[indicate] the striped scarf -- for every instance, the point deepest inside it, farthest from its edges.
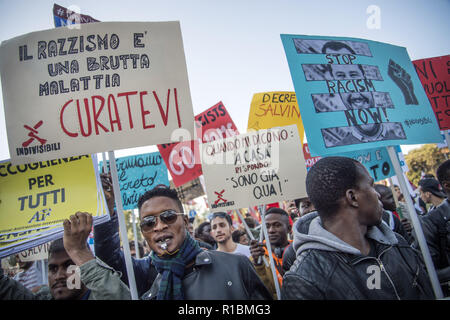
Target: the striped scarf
(172, 269)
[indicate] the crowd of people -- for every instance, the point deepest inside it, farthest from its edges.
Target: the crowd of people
(349, 239)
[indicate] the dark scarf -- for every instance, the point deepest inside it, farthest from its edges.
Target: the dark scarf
(172, 269)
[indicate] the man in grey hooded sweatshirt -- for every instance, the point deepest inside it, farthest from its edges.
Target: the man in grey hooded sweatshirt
(343, 250)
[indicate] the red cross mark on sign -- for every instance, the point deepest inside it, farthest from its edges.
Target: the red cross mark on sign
(32, 134)
(219, 196)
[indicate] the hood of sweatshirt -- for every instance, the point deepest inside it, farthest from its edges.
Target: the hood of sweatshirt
(310, 234)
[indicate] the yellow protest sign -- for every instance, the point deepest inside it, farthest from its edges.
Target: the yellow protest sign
(45, 193)
(275, 109)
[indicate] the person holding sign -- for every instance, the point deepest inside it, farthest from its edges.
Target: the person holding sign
(343, 250)
(107, 246)
(186, 272)
(95, 281)
(278, 228)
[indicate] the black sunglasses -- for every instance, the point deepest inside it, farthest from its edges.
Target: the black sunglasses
(149, 222)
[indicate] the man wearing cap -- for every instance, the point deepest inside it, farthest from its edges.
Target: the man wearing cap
(430, 192)
(436, 229)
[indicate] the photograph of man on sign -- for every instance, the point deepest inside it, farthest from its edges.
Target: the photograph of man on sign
(342, 136)
(318, 46)
(358, 100)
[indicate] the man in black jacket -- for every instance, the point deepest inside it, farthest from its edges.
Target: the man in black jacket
(343, 250)
(107, 246)
(185, 271)
(436, 229)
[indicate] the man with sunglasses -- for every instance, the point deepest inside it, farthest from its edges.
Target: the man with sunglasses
(185, 271)
(107, 245)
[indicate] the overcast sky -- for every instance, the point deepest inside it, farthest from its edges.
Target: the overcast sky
(233, 48)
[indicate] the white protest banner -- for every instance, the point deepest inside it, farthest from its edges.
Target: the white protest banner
(99, 87)
(37, 253)
(255, 168)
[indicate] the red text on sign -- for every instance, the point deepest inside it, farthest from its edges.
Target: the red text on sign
(116, 109)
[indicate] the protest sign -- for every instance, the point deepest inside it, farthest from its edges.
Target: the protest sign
(36, 198)
(357, 94)
(36, 253)
(443, 143)
(102, 86)
(68, 16)
(138, 174)
(376, 161)
(13, 247)
(188, 191)
(215, 123)
(183, 159)
(401, 159)
(45, 193)
(434, 73)
(255, 168)
(309, 160)
(274, 109)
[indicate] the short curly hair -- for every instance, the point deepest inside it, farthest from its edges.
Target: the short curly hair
(56, 246)
(160, 191)
(327, 182)
(443, 172)
(198, 232)
(236, 235)
(335, 46)
(284, 215)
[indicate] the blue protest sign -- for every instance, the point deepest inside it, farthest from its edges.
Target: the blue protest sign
(138, 174)
(376, 161)
(443, 143)
(401, 159)
(357, 94)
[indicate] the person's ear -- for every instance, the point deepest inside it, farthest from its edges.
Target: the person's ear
(352, 198)
(446, 185)
(186, 221)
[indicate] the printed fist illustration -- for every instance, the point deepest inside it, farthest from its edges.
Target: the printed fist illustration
(403, 80)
